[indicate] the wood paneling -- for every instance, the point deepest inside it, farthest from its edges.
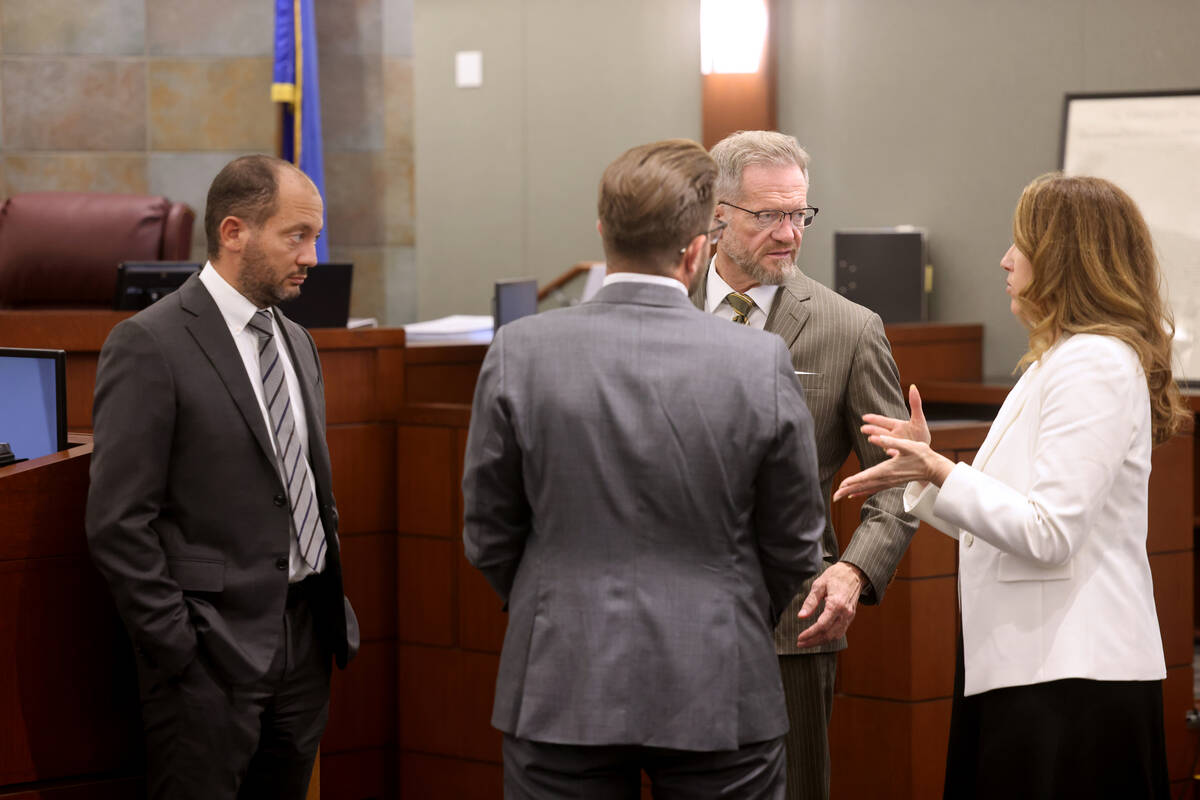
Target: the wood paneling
(481, 619)
(114, 789)
(42, 503)
(1181, 743)
(68, 692)
(891, 750)
(1173, 599)
(362, 707)
(429, 699)
(936, 352)
(369, 575)
(427, 609)
(359, 775)
(912, 632)
(363, 457)
(428, 492)
(442, 373)
(1171, 506)
(430, 776)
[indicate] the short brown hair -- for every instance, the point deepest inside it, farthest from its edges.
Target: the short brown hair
(739, 150)
(1095, 271)
(247, 188)
(654, 199)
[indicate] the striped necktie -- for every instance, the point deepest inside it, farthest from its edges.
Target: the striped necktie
(306, 516)
(741, 305)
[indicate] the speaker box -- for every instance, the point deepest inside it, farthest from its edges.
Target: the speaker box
(883, 269)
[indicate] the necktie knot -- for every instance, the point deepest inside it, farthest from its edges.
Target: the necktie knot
(741, 305)
(260, 323)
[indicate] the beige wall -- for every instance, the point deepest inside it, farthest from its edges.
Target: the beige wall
(934, 112)
(507, 173)
(937, 112)
(154, 96)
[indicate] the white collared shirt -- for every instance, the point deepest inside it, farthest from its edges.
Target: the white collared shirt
(716, 290)
(642, 277)
(238, 311)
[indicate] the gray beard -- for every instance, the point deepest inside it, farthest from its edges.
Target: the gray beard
(760, 274)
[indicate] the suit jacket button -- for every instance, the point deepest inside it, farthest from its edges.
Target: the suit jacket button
(280, 500)
(281, 563)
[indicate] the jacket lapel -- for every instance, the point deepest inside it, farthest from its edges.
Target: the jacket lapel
(1009, 413)
(208, 328)
(791, 309)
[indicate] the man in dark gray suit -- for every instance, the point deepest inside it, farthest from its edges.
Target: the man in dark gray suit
(845, 363)
(641, 490)
(210, 512)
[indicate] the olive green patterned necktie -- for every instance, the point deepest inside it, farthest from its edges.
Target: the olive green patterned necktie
(741, 305)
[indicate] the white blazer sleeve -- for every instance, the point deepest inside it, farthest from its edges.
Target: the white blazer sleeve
(1089, 404)
(919, 500)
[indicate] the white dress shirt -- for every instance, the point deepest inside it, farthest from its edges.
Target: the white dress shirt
(642, 277)
(238, 311)
(716, 290)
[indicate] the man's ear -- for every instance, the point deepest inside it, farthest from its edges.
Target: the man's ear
(695, 258)
(599, 227)
(234, 233)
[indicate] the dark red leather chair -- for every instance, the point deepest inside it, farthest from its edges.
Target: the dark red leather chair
(61, 249)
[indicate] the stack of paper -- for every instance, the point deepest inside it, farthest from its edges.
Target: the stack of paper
(453, 328)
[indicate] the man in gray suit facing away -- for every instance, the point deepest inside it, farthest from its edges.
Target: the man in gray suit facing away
(845, 363)
(210, 511)
(641, 490)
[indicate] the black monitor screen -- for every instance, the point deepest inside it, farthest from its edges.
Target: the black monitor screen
(33, 403)
(141, 283)
(324, 300)
(514, 299)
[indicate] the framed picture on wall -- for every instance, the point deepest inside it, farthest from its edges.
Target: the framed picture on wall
(1148, 143)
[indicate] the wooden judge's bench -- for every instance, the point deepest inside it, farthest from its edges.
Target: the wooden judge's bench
(410, 717)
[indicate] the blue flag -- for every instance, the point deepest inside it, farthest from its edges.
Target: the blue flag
(296, 85)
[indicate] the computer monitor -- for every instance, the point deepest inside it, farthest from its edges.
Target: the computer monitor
(33, 402)
(141, 283)
(324, 300)
(514, 299)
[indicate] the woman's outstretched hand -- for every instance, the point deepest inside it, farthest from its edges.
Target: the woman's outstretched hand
(914, 428)
(907, 442)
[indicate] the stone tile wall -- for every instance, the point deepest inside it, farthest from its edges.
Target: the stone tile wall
(154, 96)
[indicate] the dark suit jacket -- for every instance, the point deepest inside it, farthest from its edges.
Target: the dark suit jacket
(851, 372)
(187, 518)
(640, 487)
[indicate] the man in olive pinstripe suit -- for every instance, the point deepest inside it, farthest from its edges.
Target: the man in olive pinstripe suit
(845, 363)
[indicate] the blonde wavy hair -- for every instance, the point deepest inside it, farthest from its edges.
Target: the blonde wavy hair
(1095, 271)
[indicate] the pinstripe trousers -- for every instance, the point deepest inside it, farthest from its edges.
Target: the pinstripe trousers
(808, 689)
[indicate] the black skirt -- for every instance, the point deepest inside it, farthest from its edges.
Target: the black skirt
(1057, 740)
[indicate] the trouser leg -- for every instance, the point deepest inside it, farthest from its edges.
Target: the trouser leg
(294, 716)
(808, 689)
(200, 733)
(544, 771)
(752, 772)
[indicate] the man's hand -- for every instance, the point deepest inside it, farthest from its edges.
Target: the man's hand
(839, 588)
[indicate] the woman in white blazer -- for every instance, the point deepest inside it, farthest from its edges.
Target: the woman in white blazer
(1059, 684)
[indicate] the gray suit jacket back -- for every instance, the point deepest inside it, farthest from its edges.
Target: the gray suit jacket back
(641, 489)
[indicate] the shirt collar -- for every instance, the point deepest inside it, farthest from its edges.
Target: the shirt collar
(716, 290)
(233, 305)
(641, 277)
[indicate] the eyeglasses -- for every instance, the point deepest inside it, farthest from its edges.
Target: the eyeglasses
(800, 218)
(713, 234)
